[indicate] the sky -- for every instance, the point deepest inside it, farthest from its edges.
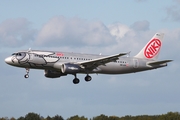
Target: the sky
(106, 27)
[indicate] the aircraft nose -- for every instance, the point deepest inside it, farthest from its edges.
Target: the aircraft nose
(8, 60)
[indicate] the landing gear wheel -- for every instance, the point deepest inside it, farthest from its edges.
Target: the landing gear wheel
(76, 81)
(26, 75)
(88, 78)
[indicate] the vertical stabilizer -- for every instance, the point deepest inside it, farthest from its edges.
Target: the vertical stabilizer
(152, 48)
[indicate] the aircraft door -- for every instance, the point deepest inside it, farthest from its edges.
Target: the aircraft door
(31, 56)
(136, 63)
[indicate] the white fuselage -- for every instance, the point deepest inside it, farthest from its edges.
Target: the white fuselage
(51, 60)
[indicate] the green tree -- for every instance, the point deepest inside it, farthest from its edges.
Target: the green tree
(76, 117)
(114, 118)
(32, 116)
(172, 116)
(12, 118)
(2, 118)
(21, 118)
(49, 118)
(57, 117)
(101, 117)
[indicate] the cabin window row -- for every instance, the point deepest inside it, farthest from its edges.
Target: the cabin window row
(121, 61)
(41, 56)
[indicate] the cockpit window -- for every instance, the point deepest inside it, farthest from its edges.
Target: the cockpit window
(18, 54)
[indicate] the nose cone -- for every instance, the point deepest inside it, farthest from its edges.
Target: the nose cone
(8, 60)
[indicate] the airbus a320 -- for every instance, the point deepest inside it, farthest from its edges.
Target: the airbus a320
(57, 64)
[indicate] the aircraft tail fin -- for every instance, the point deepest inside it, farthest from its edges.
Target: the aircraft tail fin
(152, 48)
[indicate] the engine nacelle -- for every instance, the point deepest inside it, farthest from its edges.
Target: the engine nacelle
(53, 74)
(69, 68)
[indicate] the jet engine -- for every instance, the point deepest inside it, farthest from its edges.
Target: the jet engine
(69, 68)
(53, 74)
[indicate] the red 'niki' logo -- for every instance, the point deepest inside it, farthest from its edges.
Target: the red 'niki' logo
(59, 54)
(152, 48)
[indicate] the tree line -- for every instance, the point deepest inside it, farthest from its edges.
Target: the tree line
(35, 116)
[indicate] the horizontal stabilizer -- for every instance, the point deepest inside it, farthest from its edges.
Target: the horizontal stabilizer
(154, 63)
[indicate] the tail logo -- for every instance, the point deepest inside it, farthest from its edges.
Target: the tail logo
(153, 48)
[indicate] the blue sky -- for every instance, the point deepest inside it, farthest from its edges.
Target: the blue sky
(106, 27)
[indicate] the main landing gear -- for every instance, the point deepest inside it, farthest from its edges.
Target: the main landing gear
(76, 80)
(27, 73)
(88, 78)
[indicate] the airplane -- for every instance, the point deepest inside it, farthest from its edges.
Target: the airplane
(57, 64)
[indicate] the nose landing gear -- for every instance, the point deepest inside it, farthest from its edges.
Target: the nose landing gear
(27, 73)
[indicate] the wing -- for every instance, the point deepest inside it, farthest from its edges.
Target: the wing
(100, 61)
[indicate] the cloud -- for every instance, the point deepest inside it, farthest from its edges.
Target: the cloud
(16, 32)
(141, 25)
(171, 44)
(177, 1)
(130, 38)
(79, 35)
(118, 30)
(75, 34)
(173, 12)
(60, 31)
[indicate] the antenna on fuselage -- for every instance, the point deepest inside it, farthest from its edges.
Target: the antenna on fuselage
(29, 50)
